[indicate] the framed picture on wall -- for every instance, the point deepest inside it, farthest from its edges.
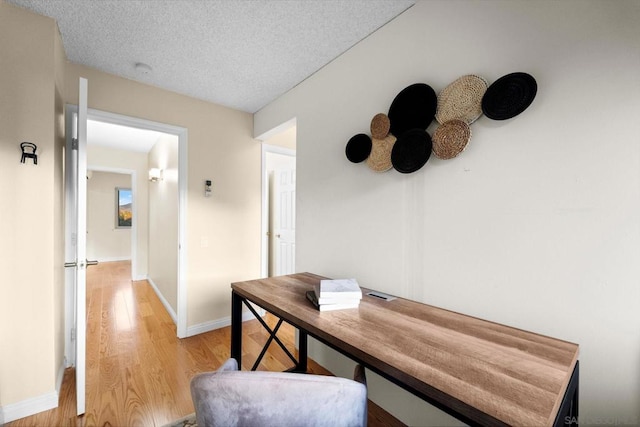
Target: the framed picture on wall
(124, 213)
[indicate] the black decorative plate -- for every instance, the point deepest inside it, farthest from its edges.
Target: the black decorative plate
(509, 96)
(358, 148)
(413, 108)
(411, 151)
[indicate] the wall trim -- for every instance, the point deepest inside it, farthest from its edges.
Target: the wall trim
(166, 304)
(60, 377)
(211, 325)
(25, 408)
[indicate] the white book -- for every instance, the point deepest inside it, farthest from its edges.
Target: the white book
(344, 304)
(332, 300)
(340, 306)
(338, 289)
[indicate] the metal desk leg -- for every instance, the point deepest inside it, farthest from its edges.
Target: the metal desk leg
(302, 351)
(236, 328)
(568, 414)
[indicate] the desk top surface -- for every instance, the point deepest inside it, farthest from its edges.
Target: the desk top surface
(481, 369)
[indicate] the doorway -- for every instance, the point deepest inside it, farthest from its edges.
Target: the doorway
(278, 200)
(178, 177)
(109, 195)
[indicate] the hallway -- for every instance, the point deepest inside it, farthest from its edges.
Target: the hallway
(138, 371)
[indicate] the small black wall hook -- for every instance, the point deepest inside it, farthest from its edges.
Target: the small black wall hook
(29, 151)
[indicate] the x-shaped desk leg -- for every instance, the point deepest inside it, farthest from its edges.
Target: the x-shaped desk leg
(236, 337)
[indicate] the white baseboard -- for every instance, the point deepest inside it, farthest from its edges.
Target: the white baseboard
(166, 304)
(140, 277)
(25, 408)
(60, 376)
(217, 324)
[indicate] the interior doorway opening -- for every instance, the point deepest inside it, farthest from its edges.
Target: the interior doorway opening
(111, 236)
(176, 175)
(279, 200)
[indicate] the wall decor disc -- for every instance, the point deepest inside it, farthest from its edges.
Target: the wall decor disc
(380, 158)
(461, 100)
(411, 151)
(380, 126)
(358, 148)
(413, 108)
(509, 96)
(450, 139)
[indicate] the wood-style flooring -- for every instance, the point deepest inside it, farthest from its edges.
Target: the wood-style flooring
(138, 371)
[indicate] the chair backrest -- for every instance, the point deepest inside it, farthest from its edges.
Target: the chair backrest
(28, 152)
(28, 146)
(229, 397)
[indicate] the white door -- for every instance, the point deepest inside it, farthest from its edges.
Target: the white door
(284, 211)
(76, 235)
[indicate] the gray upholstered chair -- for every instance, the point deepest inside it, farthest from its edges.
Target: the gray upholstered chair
(228, 397)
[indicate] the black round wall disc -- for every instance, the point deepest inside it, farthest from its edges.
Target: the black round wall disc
(413, 108)
(411, 151)
(509, 96)
(358, 148)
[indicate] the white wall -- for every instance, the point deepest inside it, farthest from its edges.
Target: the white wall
(163, 220)
(103, 158)
(536, 225)
(105, 242)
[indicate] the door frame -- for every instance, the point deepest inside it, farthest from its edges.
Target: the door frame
(182, 134)
(267, 148)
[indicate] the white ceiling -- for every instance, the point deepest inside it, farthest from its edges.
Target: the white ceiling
(241, 54)
(121, 137)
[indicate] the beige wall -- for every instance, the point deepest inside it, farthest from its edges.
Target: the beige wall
(536, 224)
(163, 220)
(30, 218)
(223, 231)
(104, 158)
(285, 139)
(105, 242)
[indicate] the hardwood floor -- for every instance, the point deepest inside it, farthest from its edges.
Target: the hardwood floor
(138, 371)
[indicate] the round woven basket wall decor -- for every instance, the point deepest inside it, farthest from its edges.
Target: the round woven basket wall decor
(461, 100)
(509, 96)
(411, 151)
(413, 108)
(380, 126)
(450, 139)
(380, 158)
(358, 148)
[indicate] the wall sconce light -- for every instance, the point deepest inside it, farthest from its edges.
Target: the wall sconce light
(155, 174)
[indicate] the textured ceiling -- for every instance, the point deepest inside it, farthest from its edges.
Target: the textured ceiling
(241, 54)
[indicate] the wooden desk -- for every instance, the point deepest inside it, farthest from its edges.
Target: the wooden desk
(481, 372)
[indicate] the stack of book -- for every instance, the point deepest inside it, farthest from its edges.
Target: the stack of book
(336, 294)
